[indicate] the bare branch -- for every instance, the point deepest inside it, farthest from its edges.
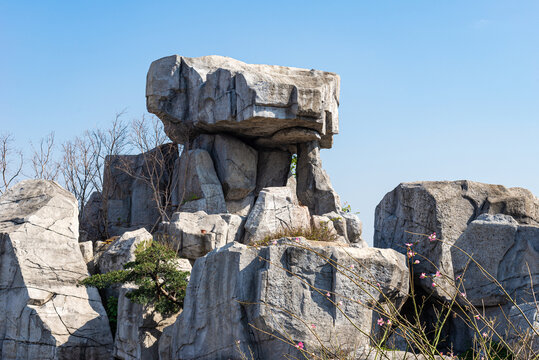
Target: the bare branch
(43, 163)
(11, 162)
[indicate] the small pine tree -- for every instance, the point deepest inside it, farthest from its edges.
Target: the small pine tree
(155, 273)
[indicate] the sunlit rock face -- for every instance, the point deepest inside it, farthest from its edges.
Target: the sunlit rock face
(44, 314)
(273, 104)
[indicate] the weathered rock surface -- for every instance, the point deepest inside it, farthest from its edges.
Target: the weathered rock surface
(446, 208)
(139, 329)
(219, 94)
(45, 315)
(521, 318)
(87, 251)
(276, 209)
(314, 188)
(236, 285)
(235, 163)
(196, 234)
(506, 251)
(129, 199)
(92, 222)
(122, 250)
(273, 168)
(197, 188)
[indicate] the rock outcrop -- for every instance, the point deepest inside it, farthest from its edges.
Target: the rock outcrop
(243, 297)
(45, 315)
(122, 250)
(219, 94)
(129, 199)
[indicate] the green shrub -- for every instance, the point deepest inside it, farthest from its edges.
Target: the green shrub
(154, 271)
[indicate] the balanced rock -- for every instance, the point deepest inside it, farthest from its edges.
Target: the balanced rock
(219, 94)
(45, 315)
(243, 297)
(193, 235)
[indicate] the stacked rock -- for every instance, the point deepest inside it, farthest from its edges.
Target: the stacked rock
(240, 125)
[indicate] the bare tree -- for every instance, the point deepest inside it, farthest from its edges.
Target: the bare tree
(43, 163)
(148, 138)
(79, 168)
(11, 162)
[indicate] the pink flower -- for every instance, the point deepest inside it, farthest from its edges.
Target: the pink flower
(274, 242)
(409, 244)
(389, 323)
(437, 274)
(485, 334)
(300, 345)
(297, 240)
(352, 266)
(432, 237)
(313, 326)
(328, 294)
(416, 262)
(463, 294)
(378, 284)
(458, 277)
(410, 254)
(340, 303)
(477, 317)
(422, 276)
(433, 284)
(380, 321)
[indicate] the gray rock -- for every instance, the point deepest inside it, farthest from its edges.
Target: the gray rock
(241, 207)
(87, 251)
(197, 186)
(129, 200)
(523, 338)
(122, 250)
(45, 315)
(219, 94)
(196, 234)
(255, 290)
(92, 221)
(139, 329)
(273, 168)
(314, 188)
(235, 163)
(275, 210)
(354, 228)
(326, 224)
(446, 208)
(288, 136)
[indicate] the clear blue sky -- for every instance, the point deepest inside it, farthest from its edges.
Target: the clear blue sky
(430, 90)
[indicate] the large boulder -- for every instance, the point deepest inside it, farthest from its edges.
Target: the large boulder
(314, 188)
(252, 298)
(122, 250)
(130, 201)
(447, 208)
(276, 210)
(139, 329)
(219, 94)
(196, 185)
(45, 315)
(193, 235)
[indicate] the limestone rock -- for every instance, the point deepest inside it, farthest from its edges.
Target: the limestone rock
(274, 211)
(326, 224)
(219, 94)
(87, 251)
(195, 234)
(92, 219)
(122, 250)
(354, 228)
(522, 335)
(445, 207)
(314, 188)
(288, 136)
(198, 184)
(235, 163)
(45, 315)
(273, 168)
(129, 199)
(260, 286)
(139, 329)
(241, 207)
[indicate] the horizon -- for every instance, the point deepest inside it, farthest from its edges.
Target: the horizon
(429, 91)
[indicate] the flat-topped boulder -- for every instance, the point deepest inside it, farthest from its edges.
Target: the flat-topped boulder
(219, 94)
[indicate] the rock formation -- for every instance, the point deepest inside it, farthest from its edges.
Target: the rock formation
(496, 226)
(243, 297)
(45, 315)
(240, 125)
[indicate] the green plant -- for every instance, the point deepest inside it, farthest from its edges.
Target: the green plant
(111, 308)
(294, 165)
(154, 271)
